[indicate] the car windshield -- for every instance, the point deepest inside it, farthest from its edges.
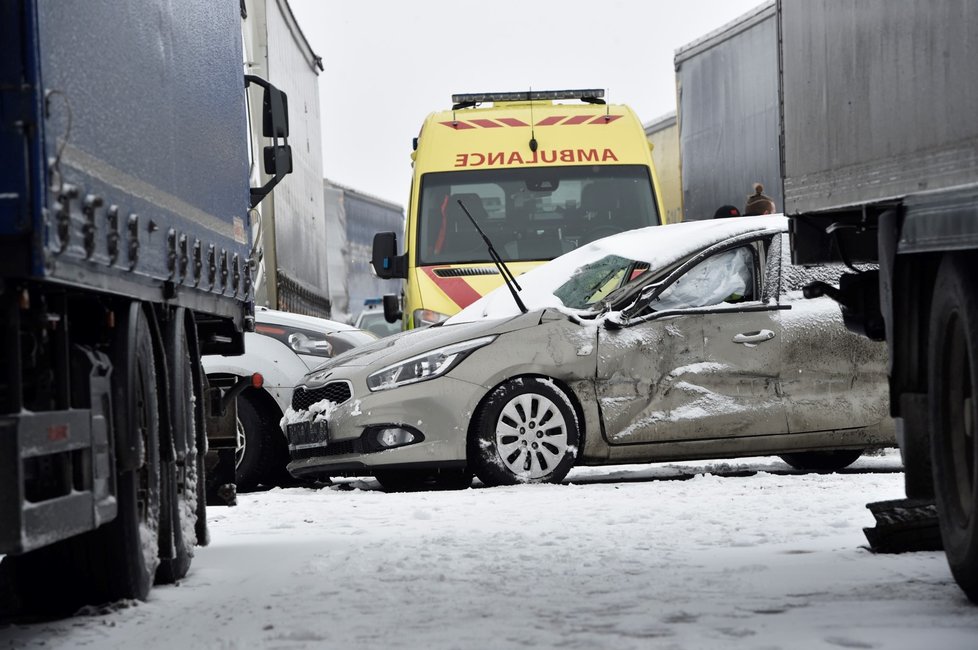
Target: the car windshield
(529, 213)
(587, 277)
(376, 323)
(594, 281)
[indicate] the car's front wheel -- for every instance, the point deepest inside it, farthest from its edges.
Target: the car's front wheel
(261, 454)
(822, 461)
(525, 431)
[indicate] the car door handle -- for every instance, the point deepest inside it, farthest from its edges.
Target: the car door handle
(754, 337)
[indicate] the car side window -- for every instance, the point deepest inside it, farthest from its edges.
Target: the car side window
(726, 277)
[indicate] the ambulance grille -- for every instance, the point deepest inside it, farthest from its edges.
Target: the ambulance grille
(458, 273)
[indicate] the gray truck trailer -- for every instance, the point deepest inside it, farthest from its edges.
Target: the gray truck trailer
(880, 164)
(728, 114)
(124, 256)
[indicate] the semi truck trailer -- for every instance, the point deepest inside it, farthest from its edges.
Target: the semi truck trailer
(880, 165)
(124, 256)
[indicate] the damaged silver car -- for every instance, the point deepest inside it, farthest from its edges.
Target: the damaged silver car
(677, 342)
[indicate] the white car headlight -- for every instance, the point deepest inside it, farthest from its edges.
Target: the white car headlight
(425, 366)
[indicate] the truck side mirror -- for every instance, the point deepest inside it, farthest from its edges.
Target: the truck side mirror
(275, 125)
(392, 308)
(386, 262)
(275, 113)
(278, 159)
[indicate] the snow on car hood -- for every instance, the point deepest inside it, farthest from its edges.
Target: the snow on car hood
(659, 246)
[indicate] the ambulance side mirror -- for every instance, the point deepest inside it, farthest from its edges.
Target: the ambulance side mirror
(385, 260)
(392, 308)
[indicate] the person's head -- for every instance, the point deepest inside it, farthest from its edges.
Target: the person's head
(758, 203)
(726, 211)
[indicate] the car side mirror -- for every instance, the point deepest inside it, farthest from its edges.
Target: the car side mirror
(643, 300)
(392, 308)
(387, 264)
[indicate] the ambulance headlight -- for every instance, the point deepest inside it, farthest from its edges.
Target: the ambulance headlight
(424, 317)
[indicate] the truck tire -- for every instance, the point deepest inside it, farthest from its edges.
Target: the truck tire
(179, 477)
(119, 559)
(130, 542)
(952, 381)
(263, 455)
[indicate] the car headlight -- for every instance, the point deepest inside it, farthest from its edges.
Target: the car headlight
(423, 317)
(425, 366)
(300, 341)
(313, 343)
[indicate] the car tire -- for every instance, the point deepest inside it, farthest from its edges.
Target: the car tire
(822, 461)
(261, 455)
(524, 431)
(952, 379)
(407, 480)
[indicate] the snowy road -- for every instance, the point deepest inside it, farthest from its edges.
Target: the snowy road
(621, 558)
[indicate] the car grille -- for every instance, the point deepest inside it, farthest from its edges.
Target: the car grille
(335, 391)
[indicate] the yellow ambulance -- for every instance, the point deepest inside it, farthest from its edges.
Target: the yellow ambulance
(541, 172)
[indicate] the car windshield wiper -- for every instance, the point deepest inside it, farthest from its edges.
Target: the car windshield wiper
(500, 264)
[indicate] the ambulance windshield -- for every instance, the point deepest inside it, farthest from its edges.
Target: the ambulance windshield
(530, 213)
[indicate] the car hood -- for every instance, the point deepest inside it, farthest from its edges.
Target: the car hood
(414, 342)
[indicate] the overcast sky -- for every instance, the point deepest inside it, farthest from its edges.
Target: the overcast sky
(388, 64)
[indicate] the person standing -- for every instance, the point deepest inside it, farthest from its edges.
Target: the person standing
(726, 211)
(759, 203)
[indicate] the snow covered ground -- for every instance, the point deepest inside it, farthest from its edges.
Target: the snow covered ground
(619, 557)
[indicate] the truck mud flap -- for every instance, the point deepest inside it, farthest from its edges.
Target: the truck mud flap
(904, 526)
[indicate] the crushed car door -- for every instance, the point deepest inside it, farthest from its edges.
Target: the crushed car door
(835, 379)
(706, 363)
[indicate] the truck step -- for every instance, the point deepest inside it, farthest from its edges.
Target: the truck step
(904, 526)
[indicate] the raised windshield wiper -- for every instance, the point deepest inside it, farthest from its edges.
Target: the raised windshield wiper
(500, 264)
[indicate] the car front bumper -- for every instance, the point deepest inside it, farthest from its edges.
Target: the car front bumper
(439, 409)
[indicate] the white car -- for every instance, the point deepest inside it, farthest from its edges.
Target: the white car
(283, 348)
(373, 320)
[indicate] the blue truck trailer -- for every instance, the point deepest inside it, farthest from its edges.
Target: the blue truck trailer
(124, 257)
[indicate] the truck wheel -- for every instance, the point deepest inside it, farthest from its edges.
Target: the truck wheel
(130, 551)
(822, 461)
(953, 377)
(119, 559)
(525, 431)
(179, 478)
(200, 428)
(260, 456)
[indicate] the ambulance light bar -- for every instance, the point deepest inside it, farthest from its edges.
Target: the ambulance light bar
(527, 95)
